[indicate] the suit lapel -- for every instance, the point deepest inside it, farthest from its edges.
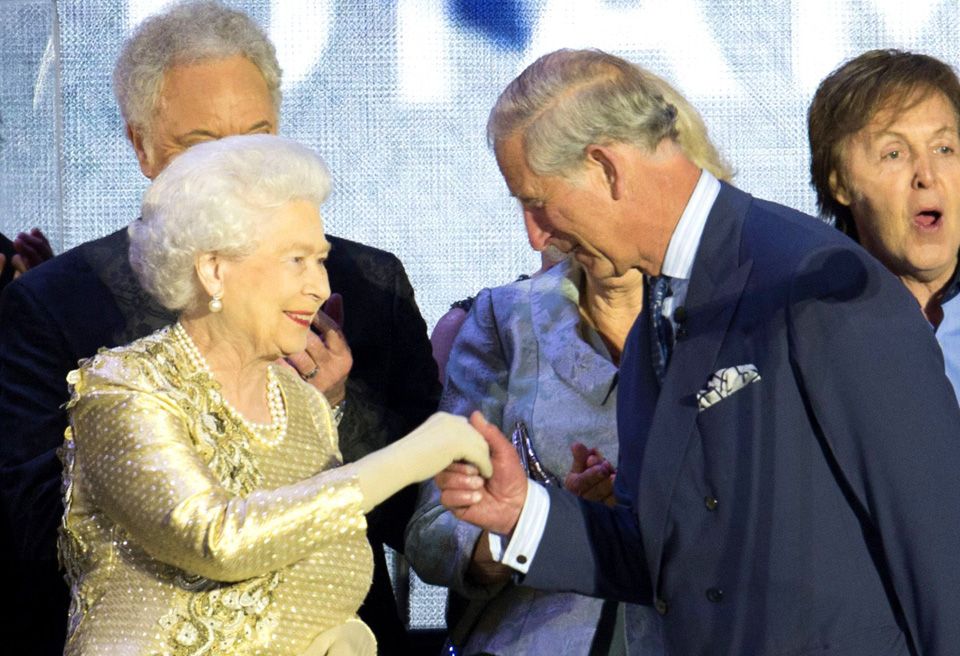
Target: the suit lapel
(716, 285)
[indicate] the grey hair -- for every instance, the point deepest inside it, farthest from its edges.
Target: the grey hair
(569, 99)
(190, 32)
(215, 198)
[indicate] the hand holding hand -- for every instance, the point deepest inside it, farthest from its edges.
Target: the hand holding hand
(494, 504)
(440, 440)
(327, 360)
(591, 476)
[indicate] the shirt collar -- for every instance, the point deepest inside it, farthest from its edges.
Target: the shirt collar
(682, 249)
(953, 289)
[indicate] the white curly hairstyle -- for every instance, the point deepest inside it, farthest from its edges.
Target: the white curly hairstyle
(217, 197)
(190, 32)
(569, 99)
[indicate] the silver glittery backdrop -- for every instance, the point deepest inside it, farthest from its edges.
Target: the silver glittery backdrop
(395, 95)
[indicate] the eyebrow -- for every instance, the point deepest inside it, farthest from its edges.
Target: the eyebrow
(304, 246)
(899, 135)
(259, 126)
(182, 139)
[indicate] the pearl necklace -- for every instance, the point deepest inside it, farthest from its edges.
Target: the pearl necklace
(270, 434)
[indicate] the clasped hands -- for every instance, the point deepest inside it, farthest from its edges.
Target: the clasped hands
(495, 503)
(591, 476)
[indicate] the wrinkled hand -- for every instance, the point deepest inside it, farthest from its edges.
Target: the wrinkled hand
(352, 638)
(591, 476)
(32, 249)
(327, 360)
(493, 504)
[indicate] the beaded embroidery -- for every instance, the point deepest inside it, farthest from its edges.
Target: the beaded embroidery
(222, 619)
(134, 595)
(226, 614)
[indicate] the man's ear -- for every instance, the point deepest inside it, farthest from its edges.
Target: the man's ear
(612, 166)
(838, 189)
(209, 267)
(139, 143)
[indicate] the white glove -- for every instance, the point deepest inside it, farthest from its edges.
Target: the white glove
(437, 442)
(352, 638)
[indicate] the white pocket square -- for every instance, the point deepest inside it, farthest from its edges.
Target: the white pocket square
(726, 381)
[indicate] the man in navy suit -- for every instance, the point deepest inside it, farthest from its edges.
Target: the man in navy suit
(789, 447)
(196, 72)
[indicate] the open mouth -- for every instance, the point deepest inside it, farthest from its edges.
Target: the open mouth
(928, 219)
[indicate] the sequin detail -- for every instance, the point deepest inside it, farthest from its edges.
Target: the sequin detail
(183, 533)
(221, 620)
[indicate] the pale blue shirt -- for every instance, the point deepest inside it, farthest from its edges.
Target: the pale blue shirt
(948, 335)
(678, 264)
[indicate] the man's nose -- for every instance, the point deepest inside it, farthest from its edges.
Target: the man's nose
(924, 171)
(536, 233)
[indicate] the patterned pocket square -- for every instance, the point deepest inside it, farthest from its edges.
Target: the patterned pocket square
(724, 382)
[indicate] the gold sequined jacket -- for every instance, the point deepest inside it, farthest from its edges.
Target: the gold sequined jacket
(186, 534)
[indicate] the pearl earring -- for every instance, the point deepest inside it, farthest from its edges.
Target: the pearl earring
(215, 304)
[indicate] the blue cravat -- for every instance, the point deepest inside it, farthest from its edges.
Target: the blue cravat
(658, 290)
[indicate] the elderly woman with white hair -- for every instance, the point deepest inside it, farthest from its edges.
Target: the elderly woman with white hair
(206, 508)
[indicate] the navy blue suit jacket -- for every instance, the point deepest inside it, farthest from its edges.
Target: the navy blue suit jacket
(811, 512)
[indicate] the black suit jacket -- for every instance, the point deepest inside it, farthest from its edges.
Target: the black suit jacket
(88, 298)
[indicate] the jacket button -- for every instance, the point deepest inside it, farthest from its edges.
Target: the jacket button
(680, 314)
(711, 503)
(661, 606)
(715, 595)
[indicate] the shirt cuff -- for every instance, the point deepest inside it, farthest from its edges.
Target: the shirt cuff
(517, 552)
